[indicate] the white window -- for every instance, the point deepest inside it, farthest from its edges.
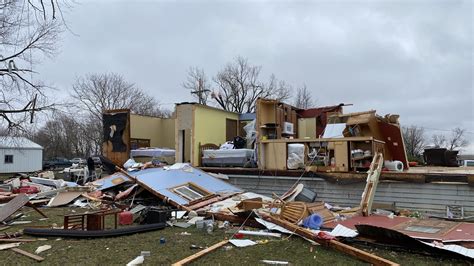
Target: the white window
(190, 191)
(8, 158)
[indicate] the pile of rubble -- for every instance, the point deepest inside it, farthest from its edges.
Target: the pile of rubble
(147, 197)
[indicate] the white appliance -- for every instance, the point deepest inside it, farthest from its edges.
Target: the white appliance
(288, 128)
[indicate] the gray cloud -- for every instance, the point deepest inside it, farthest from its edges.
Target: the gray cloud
(414, 58)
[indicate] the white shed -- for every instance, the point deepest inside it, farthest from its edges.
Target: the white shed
(19, 154)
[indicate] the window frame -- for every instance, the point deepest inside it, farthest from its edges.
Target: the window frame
(5, 161)
(191, 187)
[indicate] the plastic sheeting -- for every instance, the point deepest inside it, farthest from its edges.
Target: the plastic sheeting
(295, 156)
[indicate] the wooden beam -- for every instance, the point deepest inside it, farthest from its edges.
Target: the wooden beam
(200, 253)
(9, 240)
(349, 250)
(28, 254)
(36, 209)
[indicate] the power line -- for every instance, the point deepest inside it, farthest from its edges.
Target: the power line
(446, 130)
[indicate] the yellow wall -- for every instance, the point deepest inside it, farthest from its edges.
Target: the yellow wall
(209, 127)
(160, 131)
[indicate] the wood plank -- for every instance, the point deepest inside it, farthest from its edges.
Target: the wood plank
(28, 254)
(200, 253)
(9, 245)
(17, 240)
(12, 206)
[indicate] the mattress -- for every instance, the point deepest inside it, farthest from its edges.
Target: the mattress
(154, 152)
(226, 162)
(234, 153)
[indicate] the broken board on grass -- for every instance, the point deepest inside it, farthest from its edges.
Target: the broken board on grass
(12, 206)
(65, 197)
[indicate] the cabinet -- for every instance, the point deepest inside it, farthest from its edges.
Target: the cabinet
(341, 156)
(274, 155)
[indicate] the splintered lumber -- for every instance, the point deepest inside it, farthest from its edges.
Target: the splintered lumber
(349, 250)
(28, 254)
(12, 206)
(200, 253)
(372, 180)
(9, 245)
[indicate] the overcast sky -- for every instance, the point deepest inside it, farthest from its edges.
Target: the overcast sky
(414, 58)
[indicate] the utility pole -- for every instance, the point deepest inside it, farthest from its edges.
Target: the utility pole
(200, 91)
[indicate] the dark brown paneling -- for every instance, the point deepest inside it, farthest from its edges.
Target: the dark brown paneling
(230, 129)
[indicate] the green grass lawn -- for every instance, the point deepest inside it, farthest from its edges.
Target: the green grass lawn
(120, 250)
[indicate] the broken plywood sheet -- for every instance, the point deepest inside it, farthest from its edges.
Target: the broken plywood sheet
(12, 206)
(64, 198)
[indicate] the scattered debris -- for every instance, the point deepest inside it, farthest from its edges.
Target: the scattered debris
(42, 248)
(241, 243)
(136, 261)
(275, 262)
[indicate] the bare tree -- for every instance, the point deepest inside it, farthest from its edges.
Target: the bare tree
(414, 138)
(198, 84)
(99, 92)
(456, 140)
(238, 87)
(28, 30)
(303, 98)
(439, 140)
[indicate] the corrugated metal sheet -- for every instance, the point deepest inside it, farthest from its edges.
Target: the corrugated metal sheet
(431, 198)
(24, 160)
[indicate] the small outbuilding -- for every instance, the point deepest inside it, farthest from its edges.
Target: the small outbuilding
(19, 154)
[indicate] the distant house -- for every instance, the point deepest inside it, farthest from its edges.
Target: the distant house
(19, 154)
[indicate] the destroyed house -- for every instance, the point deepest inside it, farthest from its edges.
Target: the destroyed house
(325, 147)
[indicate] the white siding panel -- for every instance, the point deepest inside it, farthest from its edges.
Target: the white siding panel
(431, 197)
(24, 160)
